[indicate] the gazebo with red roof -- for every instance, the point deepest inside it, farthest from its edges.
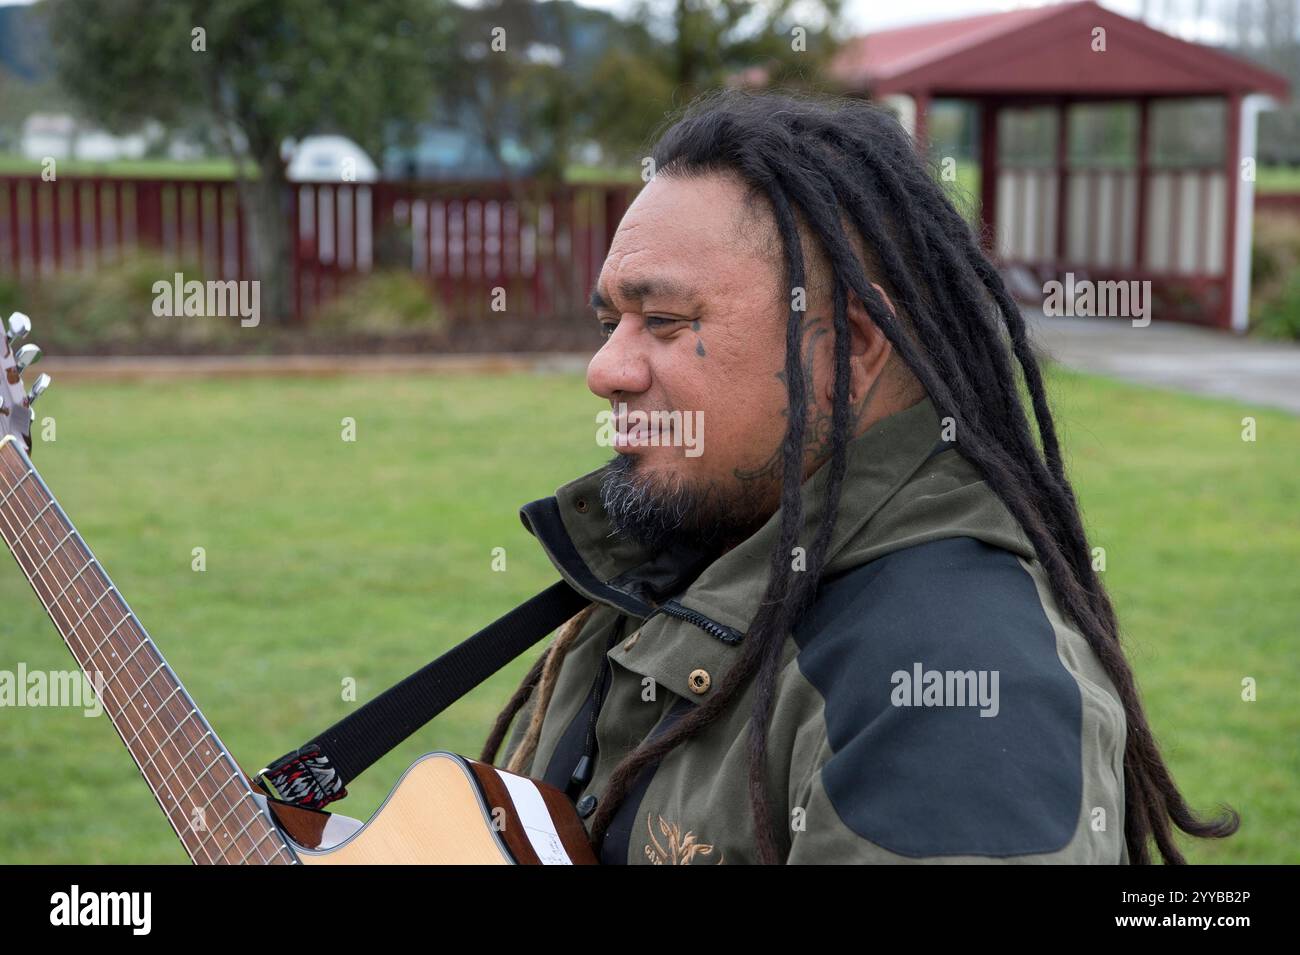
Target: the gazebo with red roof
(1182, 222)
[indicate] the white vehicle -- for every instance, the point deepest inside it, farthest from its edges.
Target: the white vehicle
(330, 159)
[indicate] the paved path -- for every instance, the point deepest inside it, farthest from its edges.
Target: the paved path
(1170, 355)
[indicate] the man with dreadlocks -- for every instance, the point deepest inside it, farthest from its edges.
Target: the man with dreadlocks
(863, 624)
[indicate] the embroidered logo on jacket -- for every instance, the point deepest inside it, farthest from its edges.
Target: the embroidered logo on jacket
(681, 849)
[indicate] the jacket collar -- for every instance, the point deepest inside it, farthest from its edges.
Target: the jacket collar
(701, 605)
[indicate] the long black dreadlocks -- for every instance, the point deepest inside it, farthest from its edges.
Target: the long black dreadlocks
(817, 162)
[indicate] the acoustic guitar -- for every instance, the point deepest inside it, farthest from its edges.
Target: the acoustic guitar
(444, 809)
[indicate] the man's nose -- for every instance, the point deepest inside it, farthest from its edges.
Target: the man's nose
(620, 365)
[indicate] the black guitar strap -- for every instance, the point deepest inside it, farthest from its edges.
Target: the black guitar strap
(318, 772)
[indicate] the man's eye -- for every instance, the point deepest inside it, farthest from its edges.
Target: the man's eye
(653, 322)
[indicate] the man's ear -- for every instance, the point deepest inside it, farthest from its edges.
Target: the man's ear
(869, 349)
(862, 326)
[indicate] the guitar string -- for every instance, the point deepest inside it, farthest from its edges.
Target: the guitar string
(33, 577)
(58, 559)
(166, 707)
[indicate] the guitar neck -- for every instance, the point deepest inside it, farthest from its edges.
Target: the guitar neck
(201, 789)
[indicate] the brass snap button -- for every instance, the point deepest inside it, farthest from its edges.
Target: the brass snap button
(580, 505)
(699, 681)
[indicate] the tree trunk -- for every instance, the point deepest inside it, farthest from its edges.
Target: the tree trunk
(270, 217)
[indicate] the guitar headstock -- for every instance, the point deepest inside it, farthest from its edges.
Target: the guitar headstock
(15, 399)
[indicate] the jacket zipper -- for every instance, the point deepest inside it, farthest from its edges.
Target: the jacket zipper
(673, 609)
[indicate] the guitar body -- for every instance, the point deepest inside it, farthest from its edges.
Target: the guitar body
(447, 810)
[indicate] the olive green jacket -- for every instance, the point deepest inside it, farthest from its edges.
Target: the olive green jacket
(932, 706)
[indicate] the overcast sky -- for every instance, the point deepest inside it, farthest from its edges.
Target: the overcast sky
(1173, 16)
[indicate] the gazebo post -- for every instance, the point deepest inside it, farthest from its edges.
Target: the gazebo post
(989, 172)
(1232, 173)
(921, 132)
(1062, 181)
(1143, 182)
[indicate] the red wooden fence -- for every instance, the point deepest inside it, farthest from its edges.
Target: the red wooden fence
(543, 247)
(1287, 203)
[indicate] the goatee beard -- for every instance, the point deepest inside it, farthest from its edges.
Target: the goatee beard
(642, 509)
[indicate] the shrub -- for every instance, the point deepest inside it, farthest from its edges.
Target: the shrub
(1275, 276)
(384, 302)
(111, 310)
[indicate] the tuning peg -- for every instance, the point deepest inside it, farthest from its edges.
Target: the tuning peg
(28, 355)
(38, 389)
(19, 326)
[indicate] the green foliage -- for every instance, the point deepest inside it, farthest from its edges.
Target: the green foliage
(697, 45)
(273, 70)
(256, 73)
(1275, 277)
(111, 309)
(386, 301)
(1279, 314)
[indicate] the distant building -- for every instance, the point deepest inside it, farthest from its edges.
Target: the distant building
(60, 136)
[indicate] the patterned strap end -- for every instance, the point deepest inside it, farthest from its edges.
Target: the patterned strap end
(305, 778)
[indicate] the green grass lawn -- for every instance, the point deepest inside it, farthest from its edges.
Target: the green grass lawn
(217, 168)
(1269, 179)
(329, 561)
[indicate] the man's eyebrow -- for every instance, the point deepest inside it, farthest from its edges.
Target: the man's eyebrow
(638, 289)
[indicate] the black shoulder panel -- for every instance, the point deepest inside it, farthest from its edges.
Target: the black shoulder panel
(909, 651)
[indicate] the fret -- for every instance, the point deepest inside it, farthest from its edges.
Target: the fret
(169, 769)
(149, 679)
(235, 839)
(159, 709)
(191, 750)
(91, 609)
(148, 682)
(209, 829)
(5, 500)
(34, 520)
(280, 847)
(113, 675)
(211, 832)
(166, 740)
(222, 821)
(257, 848)
(175, 730)
(136, 686)
(84, 567)
(207, 769)
(51, 554)
(108, 636)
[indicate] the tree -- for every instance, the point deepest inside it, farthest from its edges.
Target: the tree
(666, 59)
(259, 71)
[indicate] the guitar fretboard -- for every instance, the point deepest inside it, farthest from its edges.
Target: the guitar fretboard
(197, 783)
